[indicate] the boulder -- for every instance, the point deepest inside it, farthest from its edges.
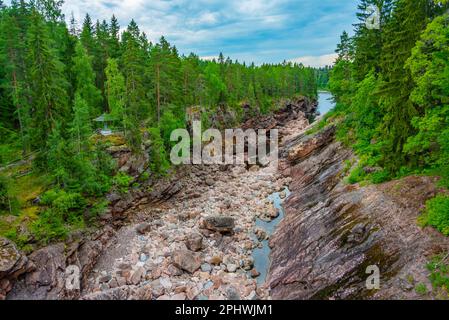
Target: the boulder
(194, 242)
(222, 224)
(143, 228)
(186, 260)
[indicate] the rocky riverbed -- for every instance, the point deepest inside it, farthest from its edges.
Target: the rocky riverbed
(199, 244)
(196, 234)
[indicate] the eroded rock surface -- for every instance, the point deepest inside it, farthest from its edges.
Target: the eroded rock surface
(333, 231)
(12, 264)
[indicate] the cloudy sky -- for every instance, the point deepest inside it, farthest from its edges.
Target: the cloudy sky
(247, 30)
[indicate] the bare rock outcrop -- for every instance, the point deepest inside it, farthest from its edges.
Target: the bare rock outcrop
(332, 232)
(12, 264)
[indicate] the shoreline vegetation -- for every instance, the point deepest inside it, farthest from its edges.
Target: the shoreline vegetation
(391, 90)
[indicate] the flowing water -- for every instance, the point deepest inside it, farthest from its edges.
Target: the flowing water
(262, 255)
(325, 102)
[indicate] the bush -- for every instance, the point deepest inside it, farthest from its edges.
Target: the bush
(4, 195)
(380, 176)
(122, 182)
(357, 175)
(437, 214)
(159, 163)
(49, 226)
(64, 209)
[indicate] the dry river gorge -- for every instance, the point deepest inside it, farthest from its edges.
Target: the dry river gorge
(296, 230)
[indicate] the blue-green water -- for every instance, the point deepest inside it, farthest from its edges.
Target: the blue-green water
(262, 255)
(325, 102)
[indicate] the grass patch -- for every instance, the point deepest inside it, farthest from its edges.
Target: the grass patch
(439, 275)
(421, 289)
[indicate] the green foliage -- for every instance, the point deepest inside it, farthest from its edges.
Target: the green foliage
(159, 163)
(357, 175)
(7, 200)
(122, 181)
(391, 84)
(168, 123)
(63, 210)
(436, 214)
(439, 274)
(85, 81)
(54, 79)
(421, 289)
(429, 64)
(49, 226)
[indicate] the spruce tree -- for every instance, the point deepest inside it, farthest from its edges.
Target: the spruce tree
(85, 81)
(401, 33)
(115, 92)
(114, 38)
(134, 72)
(47, 82)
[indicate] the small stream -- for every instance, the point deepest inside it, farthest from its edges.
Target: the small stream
(262, 255)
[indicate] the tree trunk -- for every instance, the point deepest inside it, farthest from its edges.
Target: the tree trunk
(158, 93)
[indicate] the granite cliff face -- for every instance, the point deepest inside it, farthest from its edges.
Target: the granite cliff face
(333, 231)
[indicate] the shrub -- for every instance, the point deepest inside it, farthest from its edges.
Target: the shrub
(49, 226)
(64, 209)
(357, 175)
(159, 163)
(380, 176)
(437, 214)
(122, 182)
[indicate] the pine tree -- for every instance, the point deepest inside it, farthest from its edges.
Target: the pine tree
(87, 35)
(80, 128)
(48, 85)
(12, 60)
(115, 92)
(85, 80)
(369, 42)
(114, 41)
(164, 71)
(134, 72)
(73, 29)
(345, 48)
(407, 22)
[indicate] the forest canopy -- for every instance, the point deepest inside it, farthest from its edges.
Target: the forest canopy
(57, 76)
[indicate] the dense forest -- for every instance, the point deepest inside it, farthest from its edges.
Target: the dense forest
(391, 85)
(58, 76)
(322, 77)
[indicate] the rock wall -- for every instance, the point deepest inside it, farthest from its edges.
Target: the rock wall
(333, 231)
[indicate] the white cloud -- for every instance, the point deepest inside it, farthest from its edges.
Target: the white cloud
(247, 30)
(317, 61)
